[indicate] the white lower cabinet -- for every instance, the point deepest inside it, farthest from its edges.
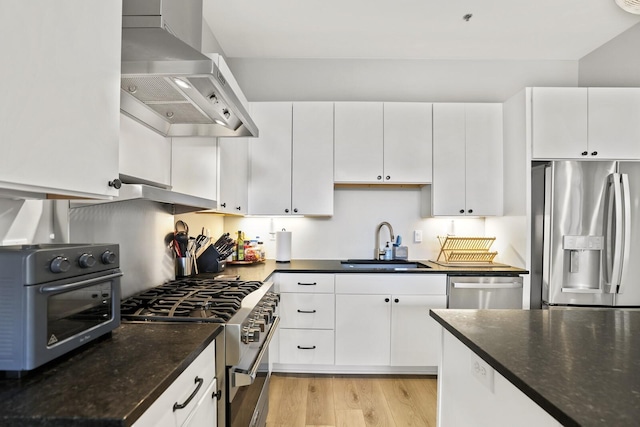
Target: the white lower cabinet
(190, 400)
(383, 319)
(488, 398)
(307, 313)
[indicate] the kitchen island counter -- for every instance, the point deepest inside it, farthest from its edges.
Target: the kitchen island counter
(109, 382)
(262, 270)
(582, 366)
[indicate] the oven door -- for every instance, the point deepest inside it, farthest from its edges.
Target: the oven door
(65, 314)
(249, 386)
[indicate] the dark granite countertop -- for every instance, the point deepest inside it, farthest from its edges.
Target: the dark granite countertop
(580, 365)
(110, 382)
(262, 270)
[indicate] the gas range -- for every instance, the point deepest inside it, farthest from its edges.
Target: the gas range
(247, 309)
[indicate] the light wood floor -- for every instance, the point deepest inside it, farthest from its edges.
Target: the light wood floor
(297, 400)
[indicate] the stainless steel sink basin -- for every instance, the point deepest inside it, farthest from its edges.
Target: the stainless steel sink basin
(372, 264)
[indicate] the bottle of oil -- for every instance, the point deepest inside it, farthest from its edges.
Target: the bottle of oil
(240, 246)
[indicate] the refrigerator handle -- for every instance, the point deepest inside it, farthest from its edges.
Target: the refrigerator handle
(613, 259)
(626, 245)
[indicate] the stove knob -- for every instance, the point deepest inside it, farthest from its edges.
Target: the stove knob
(108, 257)
(250, 334)
(260, 323)
(59, 264)
(86, 261)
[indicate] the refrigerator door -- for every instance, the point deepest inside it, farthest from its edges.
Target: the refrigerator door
(629, 290)
(573, 272)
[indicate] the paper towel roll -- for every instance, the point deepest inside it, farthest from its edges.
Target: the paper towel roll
(283, 246)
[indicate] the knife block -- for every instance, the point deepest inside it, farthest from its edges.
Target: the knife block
(209, 261)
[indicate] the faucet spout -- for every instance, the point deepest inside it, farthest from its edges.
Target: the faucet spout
(377, 252)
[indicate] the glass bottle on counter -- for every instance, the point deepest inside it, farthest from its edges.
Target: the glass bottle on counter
(240, 246)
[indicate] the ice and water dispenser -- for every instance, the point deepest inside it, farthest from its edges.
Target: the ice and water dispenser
(582, 263)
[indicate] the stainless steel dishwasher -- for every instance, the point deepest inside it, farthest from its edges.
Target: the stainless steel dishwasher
(482, 292)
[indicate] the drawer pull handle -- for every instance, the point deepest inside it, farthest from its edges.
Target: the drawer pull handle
(307, 311)
(307, 284)
(313, 347)
(177, 405)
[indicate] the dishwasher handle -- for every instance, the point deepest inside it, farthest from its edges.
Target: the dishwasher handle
(487, 285)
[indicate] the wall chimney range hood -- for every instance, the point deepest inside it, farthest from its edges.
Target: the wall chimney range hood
(167, 84)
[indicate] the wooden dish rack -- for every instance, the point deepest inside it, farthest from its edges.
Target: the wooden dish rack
(466, 249)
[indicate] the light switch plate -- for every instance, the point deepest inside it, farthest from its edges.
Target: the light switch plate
(417, 236)
(482, 372)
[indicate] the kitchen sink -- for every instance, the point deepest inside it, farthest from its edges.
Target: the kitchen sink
(372, 264)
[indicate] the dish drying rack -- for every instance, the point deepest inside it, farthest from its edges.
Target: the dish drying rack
(466, 250)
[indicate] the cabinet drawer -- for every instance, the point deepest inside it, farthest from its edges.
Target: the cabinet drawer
(312, 311)
(396, 284)
(198, 375)
(306, 347)
(303, 283)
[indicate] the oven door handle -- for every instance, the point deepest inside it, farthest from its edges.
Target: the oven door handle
(77, 285)
(243, 378)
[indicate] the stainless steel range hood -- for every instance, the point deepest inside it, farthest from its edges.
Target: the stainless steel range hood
(167, 83)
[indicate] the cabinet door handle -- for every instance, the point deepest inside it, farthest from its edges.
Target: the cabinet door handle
(177, 405)
(239, 208)
(584, 153)
(386, 300)
(295, 210)
(313, 347)
(286, 211)
(470, 211)
(595, 153)
(379, 177)
(116, 183)
(396, 300)
(388, 177)
(462, 211)
(224, 205)
(307, 311)
(307, 284)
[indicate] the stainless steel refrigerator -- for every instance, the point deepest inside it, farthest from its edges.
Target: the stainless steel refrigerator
(586, 223)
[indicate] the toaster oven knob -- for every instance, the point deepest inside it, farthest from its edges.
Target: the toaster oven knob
(59, 264)
(108, 257)
(86, 261)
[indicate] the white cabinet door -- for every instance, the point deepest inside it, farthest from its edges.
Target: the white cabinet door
(358, 142)
(270, 159)
(415, 336)
(312, 179)
(363, 330)
(467, 159)
(449, 159)
(60, 102)
(559, 123)
(407, 142)
(483, 184)
(614, 123)
(194, 164)
(233, 177)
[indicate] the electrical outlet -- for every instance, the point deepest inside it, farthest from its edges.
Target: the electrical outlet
(417, 236)
(482, 372)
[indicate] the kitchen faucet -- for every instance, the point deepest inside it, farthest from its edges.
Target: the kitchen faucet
(376, 251)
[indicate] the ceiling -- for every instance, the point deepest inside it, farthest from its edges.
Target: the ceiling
(415, 29)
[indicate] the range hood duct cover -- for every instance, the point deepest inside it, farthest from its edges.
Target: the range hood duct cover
(166, 82)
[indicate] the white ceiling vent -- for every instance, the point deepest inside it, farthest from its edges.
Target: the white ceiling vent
(631, 6)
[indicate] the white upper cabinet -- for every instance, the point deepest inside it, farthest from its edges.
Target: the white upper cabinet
(233, 175)
(359, 147)
(559, 118)
(586, 123)
(312, 180)
(467, 159)
(379, 142)
(291, 162)
(614, 122)
(270, 159)
(60, 102)
(194, 166)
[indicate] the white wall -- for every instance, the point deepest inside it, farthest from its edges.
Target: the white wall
(350, 232)
(32, 221)
(616, 63)
(395, 80)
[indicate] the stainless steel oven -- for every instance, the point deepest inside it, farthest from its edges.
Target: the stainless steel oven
(249, 383)
(53, 299)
